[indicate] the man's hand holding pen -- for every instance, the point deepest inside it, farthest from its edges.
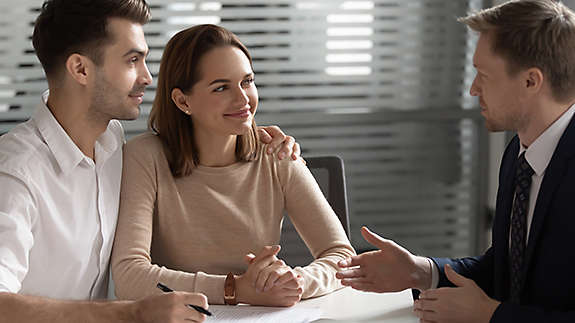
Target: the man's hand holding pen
(198, 308)
(170, 307)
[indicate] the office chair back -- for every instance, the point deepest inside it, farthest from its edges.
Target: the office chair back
(329, 172)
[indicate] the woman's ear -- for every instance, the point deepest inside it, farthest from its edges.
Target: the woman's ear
(179, 99)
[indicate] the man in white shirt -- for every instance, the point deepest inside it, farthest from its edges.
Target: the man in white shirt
(525, 62)
(60, 171)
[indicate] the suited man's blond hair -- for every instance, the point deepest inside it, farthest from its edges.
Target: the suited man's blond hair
(533, 33)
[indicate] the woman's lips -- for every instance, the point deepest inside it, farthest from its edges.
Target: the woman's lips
(239, 114)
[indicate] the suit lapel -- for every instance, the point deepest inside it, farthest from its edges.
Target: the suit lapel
(553, 175)
(502, 218)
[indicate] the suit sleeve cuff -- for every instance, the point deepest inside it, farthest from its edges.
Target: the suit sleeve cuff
(434, 274)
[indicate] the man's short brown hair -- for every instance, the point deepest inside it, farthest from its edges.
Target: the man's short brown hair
(65, 27)
(533, 33)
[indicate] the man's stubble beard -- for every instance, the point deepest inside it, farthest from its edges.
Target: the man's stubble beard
(107, 103)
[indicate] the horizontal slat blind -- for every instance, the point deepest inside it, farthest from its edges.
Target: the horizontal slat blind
(381, 83)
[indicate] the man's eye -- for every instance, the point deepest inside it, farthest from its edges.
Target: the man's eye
(220, 88)
(134, 59)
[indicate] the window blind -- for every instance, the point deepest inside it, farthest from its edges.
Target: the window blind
(381, 83)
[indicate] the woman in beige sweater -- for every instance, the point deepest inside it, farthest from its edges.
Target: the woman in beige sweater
(199, 197)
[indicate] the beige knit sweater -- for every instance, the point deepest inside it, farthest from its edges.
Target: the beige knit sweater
(189, 232)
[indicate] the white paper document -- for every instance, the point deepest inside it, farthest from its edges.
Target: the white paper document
(261, 314)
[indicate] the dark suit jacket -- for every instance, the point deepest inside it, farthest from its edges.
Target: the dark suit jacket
(548, 290)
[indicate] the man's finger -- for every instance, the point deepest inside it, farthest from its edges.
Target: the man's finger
(287, 147)
(277, 137)
(196, 299)
(350, 262)
(454, 277)
(249, 258)
(434, 294)
(296, 152)
(373, 238)
(351, 281)
(264, 136)
(425, 304)
(350, 273)
(426, 316)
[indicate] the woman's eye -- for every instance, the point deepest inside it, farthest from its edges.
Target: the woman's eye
(248, 82)
(134, 59)
(220, 88)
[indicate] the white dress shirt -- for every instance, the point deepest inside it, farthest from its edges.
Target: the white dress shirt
(58, 209)
(538, 155)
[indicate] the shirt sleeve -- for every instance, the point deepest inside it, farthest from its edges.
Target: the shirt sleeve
(17, 213)
(434, 274)
(317, 225)
(134, 274)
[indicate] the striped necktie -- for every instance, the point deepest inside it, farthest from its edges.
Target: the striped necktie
(519, 225)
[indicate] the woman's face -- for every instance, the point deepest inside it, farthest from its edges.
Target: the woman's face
(225, 99)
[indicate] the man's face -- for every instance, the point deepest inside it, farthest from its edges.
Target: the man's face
(122, 76)
(499, 93)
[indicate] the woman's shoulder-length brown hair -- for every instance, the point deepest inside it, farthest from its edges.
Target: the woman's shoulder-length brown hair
(180, 69)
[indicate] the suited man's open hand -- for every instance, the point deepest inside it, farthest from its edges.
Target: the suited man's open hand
(392, 268)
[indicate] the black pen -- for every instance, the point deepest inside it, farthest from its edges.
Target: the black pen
(198, 308)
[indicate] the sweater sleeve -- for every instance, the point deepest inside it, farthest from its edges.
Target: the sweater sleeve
(317, 225)
(134, 274)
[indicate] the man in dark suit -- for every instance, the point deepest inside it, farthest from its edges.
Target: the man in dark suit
(525, 62)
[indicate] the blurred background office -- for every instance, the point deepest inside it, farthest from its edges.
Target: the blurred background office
(381, 83)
